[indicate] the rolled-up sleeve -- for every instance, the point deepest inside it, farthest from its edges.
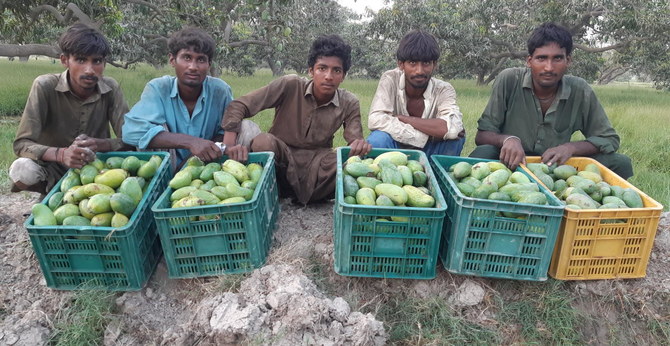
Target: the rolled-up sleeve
(448, 110)
(145, 120)
(119, 107)
(382, 118)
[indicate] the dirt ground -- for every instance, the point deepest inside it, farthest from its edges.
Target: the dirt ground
(284, 302)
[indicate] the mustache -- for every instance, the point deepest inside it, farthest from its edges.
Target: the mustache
(91, 78)
(420, 76)
(547, 74)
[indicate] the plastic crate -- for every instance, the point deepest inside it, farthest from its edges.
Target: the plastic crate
(119, 259)
(478, 240)
(236, 238)
(604, 243)
(368, 247)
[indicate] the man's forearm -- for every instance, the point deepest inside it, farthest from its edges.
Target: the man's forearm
(169, 140)
(432, 127)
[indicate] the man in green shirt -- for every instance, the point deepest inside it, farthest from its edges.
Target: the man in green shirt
(535, 110)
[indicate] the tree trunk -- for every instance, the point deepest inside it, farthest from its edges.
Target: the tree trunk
(277, 70)
(611, 74)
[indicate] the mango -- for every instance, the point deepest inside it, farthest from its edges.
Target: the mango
(349, 185)
(366, 196)
(466, 189)
(238, 170)
(113, 162)
(76, 220)
(102, 220)
(396, 193)
(206, 196)
(73, 195)
(632, 198)
(208, 171)
(350, 200)
(350, 159)
(595, 177)
(480, 170)
(255, 171)
(461, 169)
(196, 183)
(592, 167)
(208, 186)
(396, 157)
(119, 220)
(56, 200)
(583, 201)
(70, 180)
(131, 187)
(147, 170)
(194, 161)
(233, 200)
(249, 184)
(219, 191)
(43, 216)
(64, 211)
(564, 171)
(406, 175)
(188, 201)
(416, 198)
(122, 204)
(181, 179)
(182, 192)
(112, 178)
(358, 169)
(415, 166)
(496, 165)
(518, 177)
(99, 204)
(131, 164)
(87, 174)
(93, 189)
(419, 178)
(222, 178)
(367, 182)
(98, 164)
(238, 191)
(84, 210)
(384, 201)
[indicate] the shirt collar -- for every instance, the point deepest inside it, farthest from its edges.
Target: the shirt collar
(174, 92)
(563, 87)
(64, 86)
(309, 90)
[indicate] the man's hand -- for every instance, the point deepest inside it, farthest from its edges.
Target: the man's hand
(511, 153)
(359, 147)
(75, 156)
(238, 153)
(94, 144)
(204, 149)
(558, 154)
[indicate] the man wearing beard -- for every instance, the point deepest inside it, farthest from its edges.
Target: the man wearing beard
(413, 110)
(67, 116)
(535, 111)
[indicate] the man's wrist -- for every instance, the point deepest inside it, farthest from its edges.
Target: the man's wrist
(508, 138)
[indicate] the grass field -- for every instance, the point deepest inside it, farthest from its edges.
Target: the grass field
(637, 112)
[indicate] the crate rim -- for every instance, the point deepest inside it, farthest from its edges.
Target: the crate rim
(28, 224)
(556, 206)
(155, 208)
(432, 178)
(645, 197)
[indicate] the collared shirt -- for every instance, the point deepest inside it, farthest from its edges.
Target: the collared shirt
(390, 99)
(514, 109)
(54, 116)
(161, 109)
(307, 129)
(298, 121)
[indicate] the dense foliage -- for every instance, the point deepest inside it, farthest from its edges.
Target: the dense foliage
(478, 38)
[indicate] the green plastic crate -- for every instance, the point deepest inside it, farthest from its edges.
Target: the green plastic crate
(367, 247)
(236, 240)
(478, 240)
(119, 259)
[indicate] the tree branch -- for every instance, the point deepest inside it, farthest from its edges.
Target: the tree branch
(248, 42)
(602, 49)
(12, 50)
(124, 66)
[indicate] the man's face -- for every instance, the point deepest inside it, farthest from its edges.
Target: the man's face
(548, 65)
(327, 74)
(84, 72)
(417, 73)
(190, 67)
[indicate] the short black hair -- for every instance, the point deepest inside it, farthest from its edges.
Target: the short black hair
(547, 33)
(192, 38)
(418, 45)
(83, 40)
(330, 45)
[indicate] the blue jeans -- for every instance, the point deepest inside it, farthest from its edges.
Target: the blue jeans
(381, 139)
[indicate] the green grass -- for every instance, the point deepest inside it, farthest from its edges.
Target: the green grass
(543, 313)
(412, 321)
(83, 322)
(637, 112)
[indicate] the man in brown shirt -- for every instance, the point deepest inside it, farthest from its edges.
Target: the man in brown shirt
(68, 115)
(307, 115)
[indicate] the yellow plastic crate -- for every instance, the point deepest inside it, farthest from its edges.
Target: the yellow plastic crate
(596, 244)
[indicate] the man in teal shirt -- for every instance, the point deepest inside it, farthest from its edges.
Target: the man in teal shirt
(535, 111)
(184, 112)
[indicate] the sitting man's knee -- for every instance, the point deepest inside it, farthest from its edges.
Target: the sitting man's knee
(380, 139)
(248, 131)
(263, 142)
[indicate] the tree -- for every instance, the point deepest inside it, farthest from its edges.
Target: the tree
(479, 38)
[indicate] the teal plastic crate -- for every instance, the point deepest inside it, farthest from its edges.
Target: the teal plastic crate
(119, 259)
(478, 240)
(236, 238)
(368, 247)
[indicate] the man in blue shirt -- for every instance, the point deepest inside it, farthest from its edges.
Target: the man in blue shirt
(184, 112)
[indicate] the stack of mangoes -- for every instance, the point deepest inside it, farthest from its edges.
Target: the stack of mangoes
(389, 180)
(494, 181)
(100, 194)
(197, 184)
(584, 189)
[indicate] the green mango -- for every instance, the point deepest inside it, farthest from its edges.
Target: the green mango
(238, 170)
(255, 171)
(114, 162)
(224, 178)
(70, 180)
(102, 220)
(93, 189)
(112, 178)
(64, 211)
(56, 200)
(131, 164)
(119, 220)
(181, 179)
(87, 174)
(147, 170)
(208, 172)
(99, 204)
(84, 210)
(131, 187)
(122, 204)
(98, 164)
(43, 216)
(76, 220)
